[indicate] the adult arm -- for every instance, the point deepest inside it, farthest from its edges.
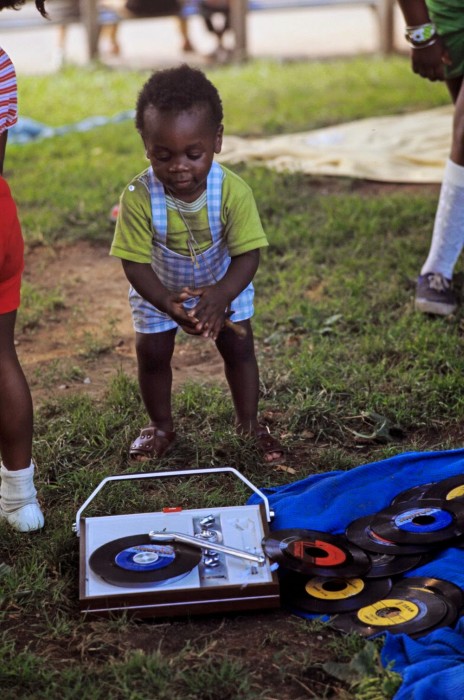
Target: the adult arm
(427, 61)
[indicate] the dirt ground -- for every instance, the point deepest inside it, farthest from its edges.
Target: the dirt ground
(82, 343)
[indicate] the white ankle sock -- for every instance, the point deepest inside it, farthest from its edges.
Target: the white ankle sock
(17, 488)
(18, 499)
(448, 231)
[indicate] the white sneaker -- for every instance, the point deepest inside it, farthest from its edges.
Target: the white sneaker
(25, 519)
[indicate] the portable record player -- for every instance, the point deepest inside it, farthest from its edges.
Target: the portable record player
(175, 561)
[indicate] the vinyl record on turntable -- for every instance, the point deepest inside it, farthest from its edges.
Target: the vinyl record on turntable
(383, 564)
(314, 552)
(414, 613)
(360, 532)
(330, 595)
(429, 521)
(137, 560)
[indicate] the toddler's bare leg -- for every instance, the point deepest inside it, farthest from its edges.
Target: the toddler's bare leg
(154, 354)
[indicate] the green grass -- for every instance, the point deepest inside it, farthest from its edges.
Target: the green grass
(342, 356)
(82, 174)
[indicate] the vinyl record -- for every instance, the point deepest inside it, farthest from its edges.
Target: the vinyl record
(431, 521)
(446, 589)
(330, 595)
(414, 613)
(137, 560)
(430, 586)
(413, 494)
(313, 552)
(383, 564)
(448, 489)
(359, 532)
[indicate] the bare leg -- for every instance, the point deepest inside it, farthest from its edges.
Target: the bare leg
(110, 32)
(16, 417)
(242, 374)
(183, 28)
(456, 90)
(18, 502)
(241, 370)
(154, 354)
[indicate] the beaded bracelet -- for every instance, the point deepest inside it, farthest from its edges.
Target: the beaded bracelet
(420, 34)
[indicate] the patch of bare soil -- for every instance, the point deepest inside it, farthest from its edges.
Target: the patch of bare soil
(88, 338)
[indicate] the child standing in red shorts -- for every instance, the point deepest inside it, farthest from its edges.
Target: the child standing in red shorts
(18, 496)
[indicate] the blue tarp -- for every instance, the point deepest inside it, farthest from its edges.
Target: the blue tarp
(432, 667)
(27, 130)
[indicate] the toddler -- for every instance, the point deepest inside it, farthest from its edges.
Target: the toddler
(189, 236)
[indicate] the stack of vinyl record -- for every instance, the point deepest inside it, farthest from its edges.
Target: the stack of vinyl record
(356, 578)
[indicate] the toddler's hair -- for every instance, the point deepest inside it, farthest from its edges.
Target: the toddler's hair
(16, 4)
(178, 90)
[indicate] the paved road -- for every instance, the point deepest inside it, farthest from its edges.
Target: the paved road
(294, 34)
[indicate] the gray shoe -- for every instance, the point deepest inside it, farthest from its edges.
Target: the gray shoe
(434, 295)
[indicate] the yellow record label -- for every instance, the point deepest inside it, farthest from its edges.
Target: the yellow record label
(334, 588)
(455, 493)
(390, 611)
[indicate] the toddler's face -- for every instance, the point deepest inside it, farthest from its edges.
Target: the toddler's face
(180, 147)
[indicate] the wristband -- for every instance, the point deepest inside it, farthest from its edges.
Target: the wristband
(420, 34)
(425, 46)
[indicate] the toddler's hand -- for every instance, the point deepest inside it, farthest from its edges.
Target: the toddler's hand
(210, 310)
(177, 311)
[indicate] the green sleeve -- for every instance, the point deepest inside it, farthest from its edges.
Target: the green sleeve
(242, 224)
(134, 229)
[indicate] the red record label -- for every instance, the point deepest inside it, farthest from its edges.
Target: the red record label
(316, 552)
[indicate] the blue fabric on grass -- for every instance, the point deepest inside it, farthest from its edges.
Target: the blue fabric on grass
(432, 667)
(26, 130)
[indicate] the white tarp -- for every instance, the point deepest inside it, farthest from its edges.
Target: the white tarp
(404, 148)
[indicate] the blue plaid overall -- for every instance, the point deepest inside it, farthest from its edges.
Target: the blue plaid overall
(176, 271)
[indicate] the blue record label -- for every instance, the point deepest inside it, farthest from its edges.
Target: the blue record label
(423, 520)
(145, 557)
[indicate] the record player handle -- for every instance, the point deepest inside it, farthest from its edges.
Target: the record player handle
(259, 559)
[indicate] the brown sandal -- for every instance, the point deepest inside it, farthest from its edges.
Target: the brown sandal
(267, 444)
(152, 443)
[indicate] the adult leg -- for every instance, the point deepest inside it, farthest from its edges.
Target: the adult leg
(242, 374)
(434, 294)
(18, 502)
(184, 33)
(154, 354)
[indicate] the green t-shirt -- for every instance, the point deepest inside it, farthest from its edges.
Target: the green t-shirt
(133, 237)
(448, 16)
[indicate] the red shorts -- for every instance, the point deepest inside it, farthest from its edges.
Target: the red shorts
(11, 251)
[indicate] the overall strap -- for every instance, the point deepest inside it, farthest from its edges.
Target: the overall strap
(159, 211)
(213, 201)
